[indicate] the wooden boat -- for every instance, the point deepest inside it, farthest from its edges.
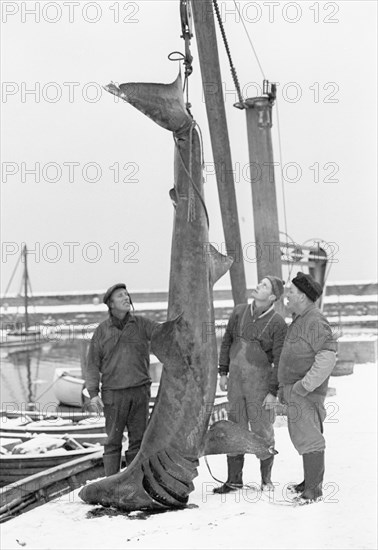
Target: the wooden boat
(51, 424)
(36, 454)
(34, 490)
(84, 439)
(47, 412)
(69, 384)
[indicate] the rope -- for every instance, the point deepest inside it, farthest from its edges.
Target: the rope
(46, 390)
(11, 279)
(249, 39)
(245, 485)
(191, 179)
(191, 200)
(211, 473)
(232, 68)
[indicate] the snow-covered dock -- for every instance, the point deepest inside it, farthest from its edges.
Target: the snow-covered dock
(246, 519)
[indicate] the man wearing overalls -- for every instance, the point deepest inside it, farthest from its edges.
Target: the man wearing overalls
(248, 362)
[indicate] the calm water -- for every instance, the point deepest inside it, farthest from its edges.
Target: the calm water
(28, 376)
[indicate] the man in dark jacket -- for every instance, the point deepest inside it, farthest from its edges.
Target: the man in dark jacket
(119, 356)
(249, 354)
(307, 359)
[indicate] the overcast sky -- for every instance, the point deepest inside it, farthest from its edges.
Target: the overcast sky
(85, 178)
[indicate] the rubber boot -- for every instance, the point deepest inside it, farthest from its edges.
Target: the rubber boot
(313, 464)
(112, 464)
(296, 487)
(235, 475)
(129, 456)
(266, 473)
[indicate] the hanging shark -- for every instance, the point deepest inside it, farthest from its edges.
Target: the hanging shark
(161, 475)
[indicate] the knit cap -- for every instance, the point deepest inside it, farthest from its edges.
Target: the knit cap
(277, 285)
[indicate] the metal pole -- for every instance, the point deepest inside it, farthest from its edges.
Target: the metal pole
(265, 213)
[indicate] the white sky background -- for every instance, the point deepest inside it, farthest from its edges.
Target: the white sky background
(337, 59)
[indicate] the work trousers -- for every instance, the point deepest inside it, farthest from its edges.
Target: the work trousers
(305, 416)
(125, 408)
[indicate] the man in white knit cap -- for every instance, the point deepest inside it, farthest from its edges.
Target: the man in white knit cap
(248, 362)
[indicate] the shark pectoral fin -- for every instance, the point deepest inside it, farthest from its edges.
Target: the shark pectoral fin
(225, 437)
(219, 263)
(165, 341)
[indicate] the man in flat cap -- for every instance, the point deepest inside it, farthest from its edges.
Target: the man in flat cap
(307, 359)
(119, 356)
(248, 361)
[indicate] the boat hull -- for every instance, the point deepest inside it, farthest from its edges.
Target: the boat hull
(42, 487)
(16, 467)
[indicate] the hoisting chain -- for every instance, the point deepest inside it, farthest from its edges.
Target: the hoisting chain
(240, 103)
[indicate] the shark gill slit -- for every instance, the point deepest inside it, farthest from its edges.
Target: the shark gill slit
(177, 469)
(173, 486)
(156, 491)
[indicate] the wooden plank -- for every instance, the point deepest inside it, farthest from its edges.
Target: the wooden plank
(26, 502)
(49, 477)
(216, 113)
(42, 414)
(91, 438)
(56, 430)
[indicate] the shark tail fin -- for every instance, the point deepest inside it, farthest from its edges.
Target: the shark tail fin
(163, 103)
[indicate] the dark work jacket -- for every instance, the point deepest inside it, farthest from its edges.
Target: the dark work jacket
(309, 334)
(119, 362)
(268, 327)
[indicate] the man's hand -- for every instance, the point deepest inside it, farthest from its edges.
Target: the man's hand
(280, 396)
(96, 402)
(223, 383)
(300, 389)
(270, 401)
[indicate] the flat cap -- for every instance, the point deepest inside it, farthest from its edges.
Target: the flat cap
(110, 291)
(307, 284)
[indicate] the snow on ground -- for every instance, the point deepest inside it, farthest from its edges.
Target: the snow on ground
(246, 519)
